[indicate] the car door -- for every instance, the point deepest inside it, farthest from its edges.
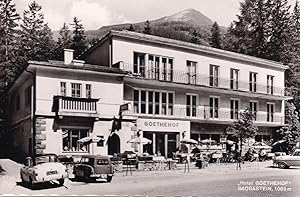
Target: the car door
(102, 166)
(296, 159)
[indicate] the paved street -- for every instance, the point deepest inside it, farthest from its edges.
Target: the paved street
(216, 180)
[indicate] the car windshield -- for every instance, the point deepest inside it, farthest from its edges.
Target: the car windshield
(297, 153)
(102, 162)
(45, 159)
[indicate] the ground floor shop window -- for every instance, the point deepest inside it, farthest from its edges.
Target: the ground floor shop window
(163, 143)
(71, 137)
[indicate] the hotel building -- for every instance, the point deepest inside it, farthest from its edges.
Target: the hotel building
(174, 90)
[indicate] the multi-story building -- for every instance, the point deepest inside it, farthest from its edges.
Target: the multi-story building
(177, 88)
(54, 104)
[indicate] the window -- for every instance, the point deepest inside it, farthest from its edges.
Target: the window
(17, 102)
(164, 103)
(234, 79)
(70, 139)
(143, 102)
(170, 103)
(191, 72)
(214, 107)
(28, 96)
(253, 108)
(270, 87)
(214, 75)
(100, 143)
(152, 102)
(270, 112)
(156, 99)
(63, 89)
(136, 101)
(153, 64)
(139, 64)
(167, 69)
(234, 109)
(170, 70)
(88, 90)
(76, 89)
(252, 81)
(191, 105)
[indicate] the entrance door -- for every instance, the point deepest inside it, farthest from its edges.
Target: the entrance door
(171, 144)
(113, 144)
(160, 144)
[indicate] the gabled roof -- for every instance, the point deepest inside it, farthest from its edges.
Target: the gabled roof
(184, 45)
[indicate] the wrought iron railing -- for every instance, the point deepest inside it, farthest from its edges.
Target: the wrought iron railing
(207, 113)
(171, 75)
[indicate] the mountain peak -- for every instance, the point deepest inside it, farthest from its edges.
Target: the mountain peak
(191, 16)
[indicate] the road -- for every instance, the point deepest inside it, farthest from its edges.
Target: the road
(216, 180)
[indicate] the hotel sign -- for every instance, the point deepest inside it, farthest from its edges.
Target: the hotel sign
(163, 125)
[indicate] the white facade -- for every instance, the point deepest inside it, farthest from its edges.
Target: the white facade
(208, 86)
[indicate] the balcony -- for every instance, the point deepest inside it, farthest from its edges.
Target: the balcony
(182, 77)
(207, 114)
(73, 106)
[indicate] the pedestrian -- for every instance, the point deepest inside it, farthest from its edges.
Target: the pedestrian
(238, 160)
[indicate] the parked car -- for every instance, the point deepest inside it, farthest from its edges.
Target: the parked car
(93, 167)
(43, 168)
(285, 161)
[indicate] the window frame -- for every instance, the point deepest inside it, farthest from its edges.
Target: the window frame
(234, 83)
(76, 89)
(214, 112)
(63, 90)
(252, 82)
(214, 73)
(234, 112)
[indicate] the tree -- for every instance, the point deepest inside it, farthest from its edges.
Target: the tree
(8, 36)
(216, 38)
(78, 41)
(36, 38)
(147, 27)
(279, 31)
(195, 37)
(243, 128)
(131, 28)
(289, 135)
(64, 41)
(249, 34)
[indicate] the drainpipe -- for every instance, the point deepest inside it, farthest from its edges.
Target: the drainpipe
(33, 110)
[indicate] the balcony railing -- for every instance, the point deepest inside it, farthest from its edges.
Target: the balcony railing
(74, 105)
(183, 77)
(207, 113)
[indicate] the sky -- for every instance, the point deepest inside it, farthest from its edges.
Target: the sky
(97, 13)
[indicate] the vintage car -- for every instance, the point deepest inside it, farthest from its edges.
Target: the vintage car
(43, 168)
(94, 167)
(285, 161)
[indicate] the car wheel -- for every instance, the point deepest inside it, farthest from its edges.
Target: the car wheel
(108, 179)
(282, 165)
(61, 181)
(86, 178)
(31, 184)
(22, 179)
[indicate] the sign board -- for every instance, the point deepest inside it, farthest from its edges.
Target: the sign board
(124, 107)
(163, 125)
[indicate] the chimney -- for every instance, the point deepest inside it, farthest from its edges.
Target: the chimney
(68, 56)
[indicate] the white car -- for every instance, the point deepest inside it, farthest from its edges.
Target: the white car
(43, 168)
(285, 161)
